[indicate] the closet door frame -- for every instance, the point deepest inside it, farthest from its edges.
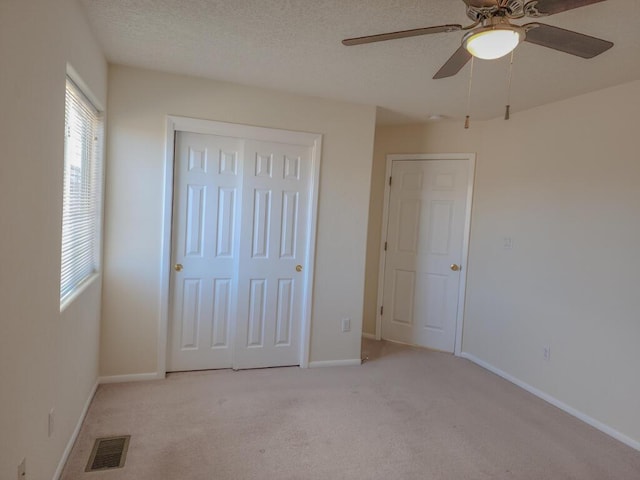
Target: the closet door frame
(209, 127)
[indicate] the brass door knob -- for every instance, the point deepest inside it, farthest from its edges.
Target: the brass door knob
(455, 267)
(298, 268)
(178, 267)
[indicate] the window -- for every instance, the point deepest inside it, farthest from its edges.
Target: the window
(82, 191)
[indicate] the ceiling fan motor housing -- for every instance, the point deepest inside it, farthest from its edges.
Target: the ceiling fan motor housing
(479, 10)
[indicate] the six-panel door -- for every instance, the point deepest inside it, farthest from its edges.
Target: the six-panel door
(205, 243)
(274, 224)
(239, 232)
(424, 240)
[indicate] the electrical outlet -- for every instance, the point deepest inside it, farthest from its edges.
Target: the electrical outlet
(507, 243)
(346, 324)
(51, 418)
(22, 469)
(546, 353)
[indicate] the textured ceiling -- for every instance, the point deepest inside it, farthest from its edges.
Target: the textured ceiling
(294, 45)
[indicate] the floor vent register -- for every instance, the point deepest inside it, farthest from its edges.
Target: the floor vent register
(108, 453)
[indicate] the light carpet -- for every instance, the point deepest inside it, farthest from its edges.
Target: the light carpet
(407, 413)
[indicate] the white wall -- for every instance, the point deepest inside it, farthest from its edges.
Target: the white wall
(563, 181)
(47, 359)
(139, 101)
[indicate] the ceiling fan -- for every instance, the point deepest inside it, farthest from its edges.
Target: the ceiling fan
(492, 34)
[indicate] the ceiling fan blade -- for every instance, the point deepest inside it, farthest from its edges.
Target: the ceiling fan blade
(455, 63)
(543, 8)
(402, 34)
(566, 41)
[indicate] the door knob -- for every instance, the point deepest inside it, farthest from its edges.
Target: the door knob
(455, 267)
(298, 268)
(178, 267)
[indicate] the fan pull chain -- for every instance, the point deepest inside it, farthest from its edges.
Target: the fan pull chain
(467, 119)
(507, 112)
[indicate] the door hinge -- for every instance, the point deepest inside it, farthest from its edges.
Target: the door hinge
(385, 246)
(390, 180)
(381, 310)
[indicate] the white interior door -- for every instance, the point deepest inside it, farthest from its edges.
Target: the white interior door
(427, 208)
(240, 227)
(274, 229)
(207, 178)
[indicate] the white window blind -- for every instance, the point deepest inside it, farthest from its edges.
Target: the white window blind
(82, 194)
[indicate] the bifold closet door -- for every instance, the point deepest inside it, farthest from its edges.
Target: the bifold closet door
(272, 254)
(240, 226)
(205, 249)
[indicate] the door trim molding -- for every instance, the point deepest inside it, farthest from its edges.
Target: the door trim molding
(471, 159)
(210, 127)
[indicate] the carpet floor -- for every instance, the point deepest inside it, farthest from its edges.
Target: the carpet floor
(405, 414)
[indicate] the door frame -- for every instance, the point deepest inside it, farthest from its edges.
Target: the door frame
(176, 124)
(470, 158)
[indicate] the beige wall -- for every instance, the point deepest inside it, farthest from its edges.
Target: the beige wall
(139, 101)
(48, 359)
(563, 181)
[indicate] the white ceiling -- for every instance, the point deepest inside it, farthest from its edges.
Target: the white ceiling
(294, 45)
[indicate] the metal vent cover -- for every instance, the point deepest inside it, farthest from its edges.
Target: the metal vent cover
(108, 453)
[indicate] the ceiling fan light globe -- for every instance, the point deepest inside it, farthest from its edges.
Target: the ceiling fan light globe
(491, 44)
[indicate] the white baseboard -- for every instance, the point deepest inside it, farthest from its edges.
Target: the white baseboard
(556, 403)
(135, 377)
(76, 432)
(369, 336)
(335, 363)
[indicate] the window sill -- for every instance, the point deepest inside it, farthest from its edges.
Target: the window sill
(71, 297)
